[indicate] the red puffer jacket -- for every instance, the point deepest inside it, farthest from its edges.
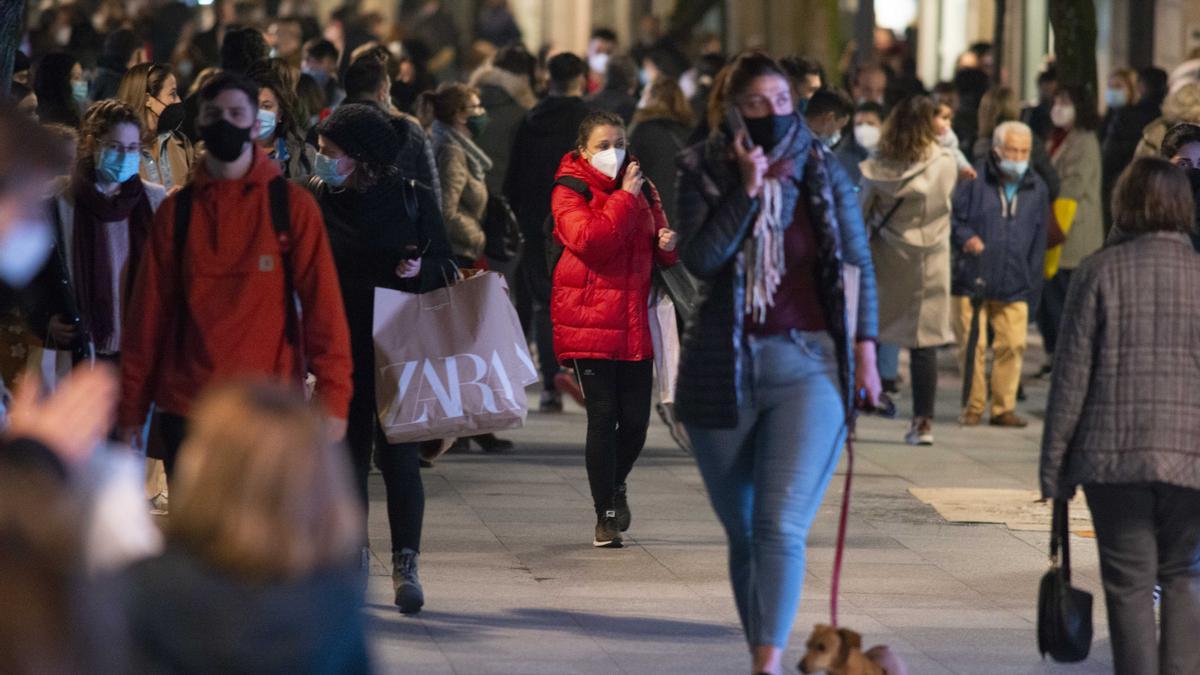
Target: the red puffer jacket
(599, 301)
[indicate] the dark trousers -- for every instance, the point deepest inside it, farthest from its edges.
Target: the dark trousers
(400, 464)
(171, 430)
(1148, 534)
(924, 374)
(1049, 315)
(617, 394)
(533, 308)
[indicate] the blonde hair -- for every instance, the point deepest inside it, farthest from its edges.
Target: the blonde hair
(998, 105)
(259, 491)
(1183, 105)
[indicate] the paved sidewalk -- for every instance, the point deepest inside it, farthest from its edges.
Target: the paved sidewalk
(513, 585)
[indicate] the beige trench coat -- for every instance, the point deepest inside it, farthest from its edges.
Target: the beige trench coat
(912, 251)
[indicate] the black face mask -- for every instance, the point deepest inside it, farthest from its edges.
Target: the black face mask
(170, 118)
(770, 130)
(224, 140)
(1194, 176)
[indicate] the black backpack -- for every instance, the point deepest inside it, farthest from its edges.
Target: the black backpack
(554, 248)
(277, 191)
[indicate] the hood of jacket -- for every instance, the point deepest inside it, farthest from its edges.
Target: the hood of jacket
(494, 84)
(573, 164)
(262, 170)
(890, 177)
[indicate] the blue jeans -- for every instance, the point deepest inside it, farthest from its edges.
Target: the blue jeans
(767, 476)
(888, 361)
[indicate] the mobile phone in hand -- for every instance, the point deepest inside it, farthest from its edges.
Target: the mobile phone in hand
(733, 118)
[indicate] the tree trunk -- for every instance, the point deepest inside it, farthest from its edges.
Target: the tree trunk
(1074, 23)
(998, 42)
(12, 24)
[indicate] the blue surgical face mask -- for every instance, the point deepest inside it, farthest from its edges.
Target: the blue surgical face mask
(79, 91)
(1013, 169)
(23, 250)
(832, 139)
(116, 167)
(317, 74)
(326, 169)
(267, 119)
(1115, 98)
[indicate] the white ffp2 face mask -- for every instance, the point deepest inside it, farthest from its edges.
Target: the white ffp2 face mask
(867, 136)
(609, 161)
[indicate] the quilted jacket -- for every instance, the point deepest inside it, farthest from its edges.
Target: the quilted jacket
(599, 302)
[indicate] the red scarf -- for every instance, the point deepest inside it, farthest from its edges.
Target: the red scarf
(92, 265)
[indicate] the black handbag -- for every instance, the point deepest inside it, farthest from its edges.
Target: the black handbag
(1064, 613)
(502, 230)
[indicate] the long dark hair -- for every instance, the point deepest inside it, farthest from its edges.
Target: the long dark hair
(746, 67)
(266, 76)
(52, 84)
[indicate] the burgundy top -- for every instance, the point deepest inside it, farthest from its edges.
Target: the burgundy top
(797, 301)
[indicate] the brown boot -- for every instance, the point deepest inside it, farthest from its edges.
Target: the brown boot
(970, 419)
(1009, 419)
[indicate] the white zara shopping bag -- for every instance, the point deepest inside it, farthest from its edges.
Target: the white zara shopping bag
(451, 362)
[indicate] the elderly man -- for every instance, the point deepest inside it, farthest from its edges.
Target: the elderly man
(999, 242)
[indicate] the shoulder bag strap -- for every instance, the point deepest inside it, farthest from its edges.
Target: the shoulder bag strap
(875, 231)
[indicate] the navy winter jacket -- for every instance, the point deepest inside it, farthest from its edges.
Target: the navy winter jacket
(1013, 234)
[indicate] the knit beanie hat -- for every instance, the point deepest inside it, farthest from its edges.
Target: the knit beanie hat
(363, 132)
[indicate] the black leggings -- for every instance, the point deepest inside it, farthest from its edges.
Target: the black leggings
(400, 464)
(924, 373)
(617, 394)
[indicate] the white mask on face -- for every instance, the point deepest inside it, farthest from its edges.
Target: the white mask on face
(598, 63)
(867, 136)
(23, 249)
(1062, 115)
(609, 161)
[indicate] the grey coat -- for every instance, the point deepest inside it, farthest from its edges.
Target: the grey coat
(1077, 162)
(462, 168)
(1124, 403)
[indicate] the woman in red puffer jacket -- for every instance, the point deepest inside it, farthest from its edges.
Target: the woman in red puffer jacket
(600, 304)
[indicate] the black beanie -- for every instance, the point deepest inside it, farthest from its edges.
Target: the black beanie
(363, 132)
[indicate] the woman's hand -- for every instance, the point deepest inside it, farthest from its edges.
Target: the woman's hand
(407, 269)
(866, 374)
(668, 239)
(73, 419)
(633, 180)
(62, 332)
(752, 164)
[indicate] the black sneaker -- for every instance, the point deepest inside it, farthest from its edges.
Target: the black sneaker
(492, 443)
(621, 508)
(409, 595)
(551, 401)
(608, 535)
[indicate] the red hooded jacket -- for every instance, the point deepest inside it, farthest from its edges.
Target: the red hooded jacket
(236, 317)
(601, 292)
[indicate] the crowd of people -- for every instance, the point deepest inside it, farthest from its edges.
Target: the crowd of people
(197, 221)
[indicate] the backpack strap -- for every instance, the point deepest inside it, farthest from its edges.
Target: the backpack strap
(576, 184)
(183, 221)
(277, 191)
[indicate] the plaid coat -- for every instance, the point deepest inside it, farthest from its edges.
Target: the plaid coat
(1125, 401)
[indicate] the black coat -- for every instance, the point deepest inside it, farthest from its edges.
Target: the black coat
(370, 233)
(1122, 131)
(716, 217)
(547, 133)
(655, 143)
(188, 617)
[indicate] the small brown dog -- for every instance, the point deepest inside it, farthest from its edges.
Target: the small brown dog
(838, 651)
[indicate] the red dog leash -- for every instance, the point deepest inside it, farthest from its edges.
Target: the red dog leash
(842, 522)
